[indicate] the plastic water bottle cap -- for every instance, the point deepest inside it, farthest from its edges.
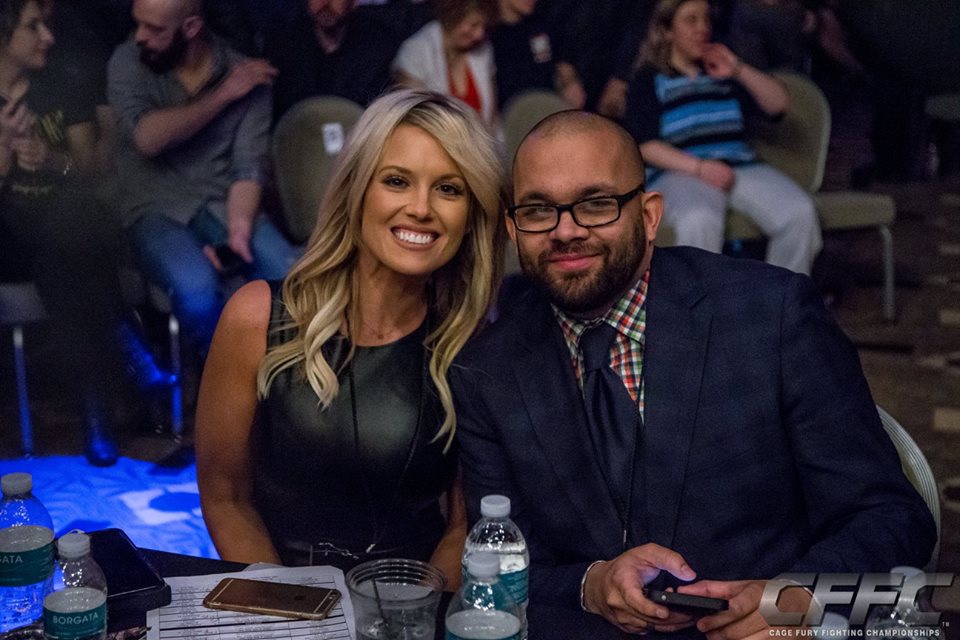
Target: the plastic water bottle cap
(495, 506)
(906, 572)
(16, 484)
(833, 627)
(483, 565)
(73, 545)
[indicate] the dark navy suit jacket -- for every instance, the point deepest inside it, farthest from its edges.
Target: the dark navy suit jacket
(761, 453)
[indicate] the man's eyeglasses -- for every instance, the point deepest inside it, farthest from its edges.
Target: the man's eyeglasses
(589, 212)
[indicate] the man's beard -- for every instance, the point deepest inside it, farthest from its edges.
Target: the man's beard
(595, 289)
(169, 58)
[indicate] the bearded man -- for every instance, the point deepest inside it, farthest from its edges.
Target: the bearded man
(194, 119)
(667, 418)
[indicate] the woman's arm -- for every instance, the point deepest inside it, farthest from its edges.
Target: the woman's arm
(768, 92)
(664, 155)
(226, 411)
(449, 552)
(15, 121)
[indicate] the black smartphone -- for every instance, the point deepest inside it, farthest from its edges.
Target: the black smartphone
(231, 264)
(685, 602)
(272, 598)
(133, 584)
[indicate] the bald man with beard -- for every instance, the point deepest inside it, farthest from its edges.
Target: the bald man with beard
(667, 417)
(194, 118)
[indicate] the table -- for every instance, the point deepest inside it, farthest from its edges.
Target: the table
(545, 622)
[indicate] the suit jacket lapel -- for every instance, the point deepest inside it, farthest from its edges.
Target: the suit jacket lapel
(678, 328)
(552, 397)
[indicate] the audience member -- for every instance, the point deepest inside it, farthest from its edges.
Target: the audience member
(194, 117)
(770, 34)
(603, 38)
(527, 57)
(334, 48)
(52, 233)
(452, 55)
(325, 421)
(86, 32)
(668, 409)
(686, 107)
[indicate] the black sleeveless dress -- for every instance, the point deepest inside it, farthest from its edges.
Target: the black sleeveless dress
(329, 486)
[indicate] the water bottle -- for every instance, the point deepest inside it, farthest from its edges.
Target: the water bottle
(496, 533)
(26, 553)
(901, 620)
(77, 608)
(483, 607)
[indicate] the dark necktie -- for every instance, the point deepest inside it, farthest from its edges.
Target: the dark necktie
(611, 412)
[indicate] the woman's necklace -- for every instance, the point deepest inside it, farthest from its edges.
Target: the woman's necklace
(392, 334)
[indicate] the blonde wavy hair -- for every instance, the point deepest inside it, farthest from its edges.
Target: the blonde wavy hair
(655, 49)
(321, 290)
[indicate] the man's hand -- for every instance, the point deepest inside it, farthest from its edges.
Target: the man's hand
(614, 589)
(246, 76)
(567, 82)
(743, 620)
(574, 94)
(239, 232)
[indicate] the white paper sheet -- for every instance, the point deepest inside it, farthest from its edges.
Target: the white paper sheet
(186, 617)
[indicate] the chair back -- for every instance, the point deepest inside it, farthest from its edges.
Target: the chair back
(523, 112)
(797, 144)
(918, 472)
(306, 142)
(20, 304)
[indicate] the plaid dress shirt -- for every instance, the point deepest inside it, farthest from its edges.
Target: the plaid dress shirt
(629, 317)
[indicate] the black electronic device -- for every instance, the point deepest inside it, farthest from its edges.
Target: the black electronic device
(134, 586)
(231, 264)
(685, 602)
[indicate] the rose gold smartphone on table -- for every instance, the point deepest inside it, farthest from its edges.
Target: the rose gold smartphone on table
(272, 598)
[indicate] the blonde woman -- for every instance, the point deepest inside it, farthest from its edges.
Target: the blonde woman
(325, 423)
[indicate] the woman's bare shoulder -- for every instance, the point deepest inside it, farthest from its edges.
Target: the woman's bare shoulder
(248, 310)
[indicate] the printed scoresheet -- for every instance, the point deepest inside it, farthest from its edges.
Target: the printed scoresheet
(186, 617)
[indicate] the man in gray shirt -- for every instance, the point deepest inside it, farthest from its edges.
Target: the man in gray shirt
(194, 119)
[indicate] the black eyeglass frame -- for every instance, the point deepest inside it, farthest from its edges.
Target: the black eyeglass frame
(620, 199)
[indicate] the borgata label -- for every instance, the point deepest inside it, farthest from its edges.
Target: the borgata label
(80, 625)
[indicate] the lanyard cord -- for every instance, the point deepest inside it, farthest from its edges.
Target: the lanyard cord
(379, 529)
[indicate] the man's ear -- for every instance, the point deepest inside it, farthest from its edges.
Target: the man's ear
(511, 227)
(192, 26)
(652, 213)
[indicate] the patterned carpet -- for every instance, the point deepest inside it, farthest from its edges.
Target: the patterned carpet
(157, 505)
